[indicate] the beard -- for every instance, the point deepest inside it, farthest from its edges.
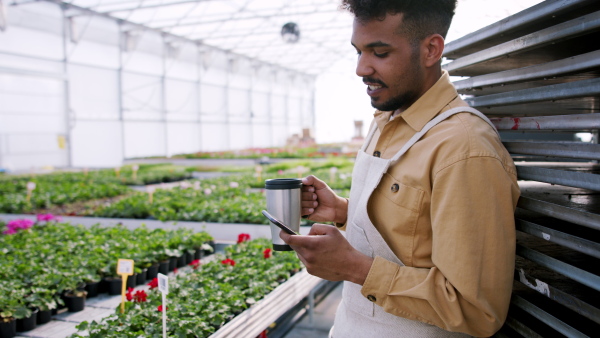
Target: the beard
(407, 95)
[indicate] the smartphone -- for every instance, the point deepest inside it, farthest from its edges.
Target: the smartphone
(278, 223)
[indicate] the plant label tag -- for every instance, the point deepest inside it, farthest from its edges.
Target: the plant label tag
(163, 283)
(125, 267)
(30, 186)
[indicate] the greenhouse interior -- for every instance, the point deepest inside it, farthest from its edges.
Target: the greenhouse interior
(141, 139)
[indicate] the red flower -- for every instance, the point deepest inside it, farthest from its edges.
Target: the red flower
(153, 284)
(160, 308)
(267, 253)
(243, 238)
(195, 263)
(262, 334)
(140, 296)
(228, 261)
(128, 295)
(175, 270)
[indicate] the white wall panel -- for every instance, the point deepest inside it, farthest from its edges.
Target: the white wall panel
(241, 136)
(294, 110)
(183, 138)
(94, 92)
(17, 40)
(181, 100)
(260, 105)
(97, 144)
(278, 108)
(214, 136)
(239, 103)
(31, 95)
(262, 136)
(213, 102)
(14, 64)
(142, 97)
(94, 54)
(145, 139)
(183, 65)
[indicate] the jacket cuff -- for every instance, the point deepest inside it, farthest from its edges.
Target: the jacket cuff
(379, 280)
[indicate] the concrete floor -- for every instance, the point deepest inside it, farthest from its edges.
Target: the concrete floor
(322, 319)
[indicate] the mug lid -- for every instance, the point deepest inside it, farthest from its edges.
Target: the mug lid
(283, 183)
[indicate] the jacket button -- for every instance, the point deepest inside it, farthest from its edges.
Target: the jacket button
(377, 153)
(372, 298)
(395, 187)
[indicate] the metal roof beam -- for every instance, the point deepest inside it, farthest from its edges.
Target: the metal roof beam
(270, 16)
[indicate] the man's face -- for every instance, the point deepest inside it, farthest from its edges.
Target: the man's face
(388, 63)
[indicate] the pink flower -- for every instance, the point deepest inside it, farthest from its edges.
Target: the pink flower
(17, 224)
(243, 238)
(47, 218)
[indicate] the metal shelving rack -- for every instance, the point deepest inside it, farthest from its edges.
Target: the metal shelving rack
(536, 74)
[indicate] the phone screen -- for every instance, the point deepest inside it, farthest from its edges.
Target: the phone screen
(278, 223)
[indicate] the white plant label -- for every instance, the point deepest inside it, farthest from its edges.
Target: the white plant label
(30, 186)
(125, 267)
(163, 283)
(163, 287)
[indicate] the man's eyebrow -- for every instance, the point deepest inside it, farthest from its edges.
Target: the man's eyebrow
(374, 44)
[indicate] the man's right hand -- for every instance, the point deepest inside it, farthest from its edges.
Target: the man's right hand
(320, 203)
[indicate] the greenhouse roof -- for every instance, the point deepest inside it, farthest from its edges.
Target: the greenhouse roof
(318, 32)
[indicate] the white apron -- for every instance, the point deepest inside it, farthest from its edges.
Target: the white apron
(356, 316)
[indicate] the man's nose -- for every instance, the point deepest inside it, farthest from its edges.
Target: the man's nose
(363, 66)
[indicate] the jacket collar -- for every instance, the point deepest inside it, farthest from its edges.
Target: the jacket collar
(426, 107)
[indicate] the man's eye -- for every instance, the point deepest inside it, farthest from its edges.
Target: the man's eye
(380, 55)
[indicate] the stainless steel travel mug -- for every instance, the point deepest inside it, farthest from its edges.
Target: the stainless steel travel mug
(283, 202)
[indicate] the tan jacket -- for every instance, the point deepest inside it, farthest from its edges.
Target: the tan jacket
(446, 210)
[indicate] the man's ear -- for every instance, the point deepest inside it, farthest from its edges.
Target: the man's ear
(432, 50)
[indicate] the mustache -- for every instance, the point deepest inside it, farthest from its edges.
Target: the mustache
(372, 81)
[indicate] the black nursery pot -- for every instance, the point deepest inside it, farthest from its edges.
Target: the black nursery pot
(8, 329)
(189, 257)
(114, 285)
(173, 263)
(132, 281)
(141, 277)
(164, 267)
(44, 317)
(152, 271)
(29, 323)
(198, 253)
(208, 252)
(74, 303)
(92, 289)
(181, 261)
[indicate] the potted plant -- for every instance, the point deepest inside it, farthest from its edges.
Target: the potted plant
(74, 293)
(12, 307)
(42, 299)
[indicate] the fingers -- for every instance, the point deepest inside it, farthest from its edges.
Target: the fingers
(312, 180)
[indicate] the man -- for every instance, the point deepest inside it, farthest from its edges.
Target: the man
(430, 240)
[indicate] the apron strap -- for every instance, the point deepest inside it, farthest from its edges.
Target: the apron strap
(416, 137)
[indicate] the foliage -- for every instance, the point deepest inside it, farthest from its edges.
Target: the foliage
(40, 263)
(202, 301)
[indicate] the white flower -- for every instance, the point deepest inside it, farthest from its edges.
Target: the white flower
(213, 187)
(234, 184)
(207, 191)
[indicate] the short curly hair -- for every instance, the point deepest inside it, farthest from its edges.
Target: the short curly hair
(421, 17)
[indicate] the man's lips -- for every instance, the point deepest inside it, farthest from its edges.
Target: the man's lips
(373, 85)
